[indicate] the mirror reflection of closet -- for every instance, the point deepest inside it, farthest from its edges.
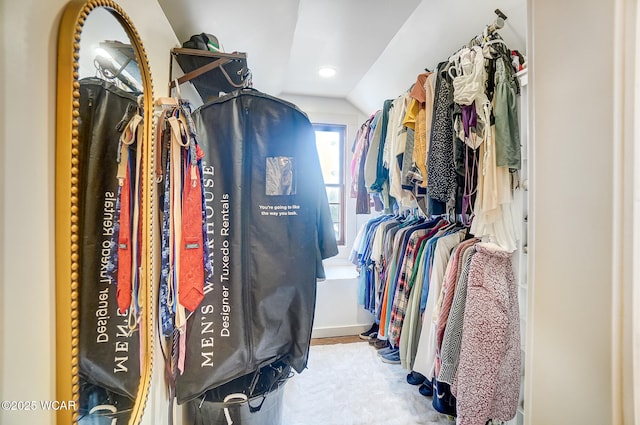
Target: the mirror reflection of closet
(102, 226)
(106, 52)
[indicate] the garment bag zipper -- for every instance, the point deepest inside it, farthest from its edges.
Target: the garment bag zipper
(244, 208)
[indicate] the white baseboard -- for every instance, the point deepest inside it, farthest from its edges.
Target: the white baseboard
(327, 332)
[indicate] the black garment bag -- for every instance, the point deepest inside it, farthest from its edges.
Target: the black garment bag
(109, 351)
(268, 228)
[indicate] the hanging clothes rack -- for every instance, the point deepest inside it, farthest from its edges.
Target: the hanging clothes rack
(499, 22)
(489, 29)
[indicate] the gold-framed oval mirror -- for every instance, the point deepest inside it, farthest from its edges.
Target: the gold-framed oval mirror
(103, 209)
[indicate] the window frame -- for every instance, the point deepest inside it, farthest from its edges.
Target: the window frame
(341, 129)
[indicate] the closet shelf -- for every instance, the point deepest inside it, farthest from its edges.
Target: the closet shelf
(523, 76)
(210, 72)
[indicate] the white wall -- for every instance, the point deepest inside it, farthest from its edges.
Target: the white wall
(328, 110)
(575, 212)
(632, 156)
(626, 388)
(337, 311)
(3, 281)
(569, 369)
(27, 113)
(28, 361)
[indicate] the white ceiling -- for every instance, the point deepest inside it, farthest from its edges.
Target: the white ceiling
(377, 46)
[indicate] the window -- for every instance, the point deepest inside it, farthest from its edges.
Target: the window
(330, 145)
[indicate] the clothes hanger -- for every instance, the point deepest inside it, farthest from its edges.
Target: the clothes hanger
(495, 41)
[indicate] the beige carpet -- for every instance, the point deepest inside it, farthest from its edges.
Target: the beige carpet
(348, 384)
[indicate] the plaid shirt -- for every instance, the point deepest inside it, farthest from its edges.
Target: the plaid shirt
(399, 246)
(406, 279)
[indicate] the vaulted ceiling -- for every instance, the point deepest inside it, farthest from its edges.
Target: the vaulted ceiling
(377, 47)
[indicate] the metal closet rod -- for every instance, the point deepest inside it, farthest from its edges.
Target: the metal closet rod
(499, 22)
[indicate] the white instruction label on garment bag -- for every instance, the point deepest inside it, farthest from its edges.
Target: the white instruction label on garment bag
(278, 210)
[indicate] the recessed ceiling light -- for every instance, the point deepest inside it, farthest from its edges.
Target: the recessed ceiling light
(327, 72)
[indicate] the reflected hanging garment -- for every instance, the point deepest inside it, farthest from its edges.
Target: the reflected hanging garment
(124, 239)
(268, 228)
(104, 112)
(128, 215)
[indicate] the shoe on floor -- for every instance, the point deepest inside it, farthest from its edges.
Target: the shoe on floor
(443, 401)
(366, 335)
(426, 389)
(373, 337)
(391, 358)
(387, 350)
(379, 344)
(416, 378)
